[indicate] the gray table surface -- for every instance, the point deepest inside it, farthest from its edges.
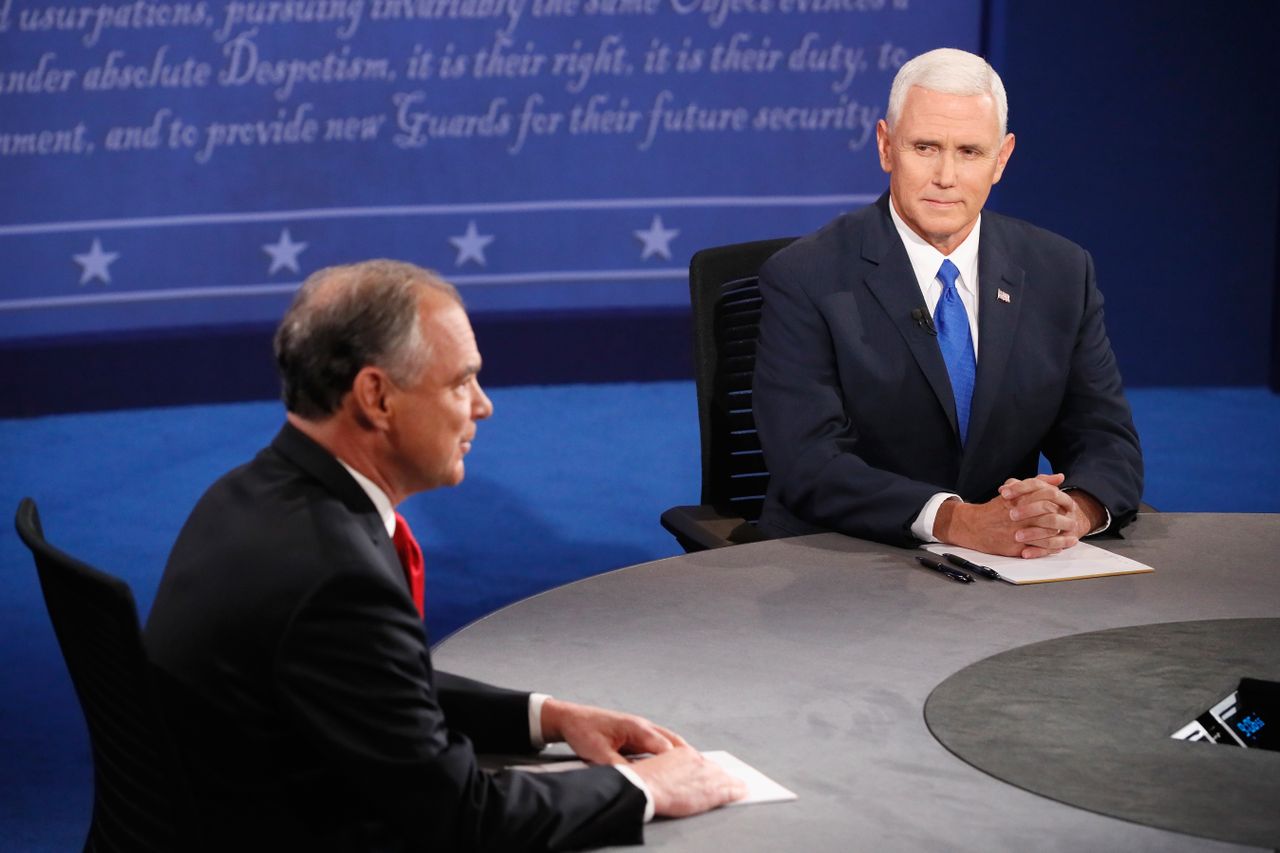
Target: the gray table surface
(811, 659)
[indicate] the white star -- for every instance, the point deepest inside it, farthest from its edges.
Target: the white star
(471, 245)
(94, 263)
(284, 253)
(657, 240)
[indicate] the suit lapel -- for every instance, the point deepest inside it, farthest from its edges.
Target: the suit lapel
(892, 282)
(997, 325)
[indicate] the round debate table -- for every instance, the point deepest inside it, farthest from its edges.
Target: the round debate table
(812, 659)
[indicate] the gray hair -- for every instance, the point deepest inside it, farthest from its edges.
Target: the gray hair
(952, 72)
(345, 318)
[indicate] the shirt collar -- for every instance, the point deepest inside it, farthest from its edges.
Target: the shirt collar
(381, 502)
(925, 259)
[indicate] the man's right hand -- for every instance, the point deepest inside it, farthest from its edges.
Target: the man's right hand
(685, 783)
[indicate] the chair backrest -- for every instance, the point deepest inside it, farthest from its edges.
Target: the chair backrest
(140, 801)
(725, 294)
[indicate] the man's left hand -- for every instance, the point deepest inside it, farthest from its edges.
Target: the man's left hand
(602, 736)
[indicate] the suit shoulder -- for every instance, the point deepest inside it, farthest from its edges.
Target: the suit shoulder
(838, 238)
(269, 511)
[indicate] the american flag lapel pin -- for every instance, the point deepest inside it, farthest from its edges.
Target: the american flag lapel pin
(1002, 295)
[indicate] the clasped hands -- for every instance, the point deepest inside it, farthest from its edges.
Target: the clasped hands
(1028, 518)
(681, 781)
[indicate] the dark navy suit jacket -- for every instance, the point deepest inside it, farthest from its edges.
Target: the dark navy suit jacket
(296, 675)
(854, 406)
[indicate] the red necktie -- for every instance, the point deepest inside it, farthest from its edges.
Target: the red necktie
(410, 554)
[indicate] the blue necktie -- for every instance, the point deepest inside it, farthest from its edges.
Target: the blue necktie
(956, 343)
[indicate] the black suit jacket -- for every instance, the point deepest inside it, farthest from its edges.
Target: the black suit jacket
(296, 676)
(854, 406)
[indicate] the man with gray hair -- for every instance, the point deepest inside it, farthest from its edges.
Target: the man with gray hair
(287, 633)
(917, 356)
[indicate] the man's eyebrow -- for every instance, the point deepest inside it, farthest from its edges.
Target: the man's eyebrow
(467, 372)
(937, 143)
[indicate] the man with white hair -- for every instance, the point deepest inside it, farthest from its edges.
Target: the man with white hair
(917, 356)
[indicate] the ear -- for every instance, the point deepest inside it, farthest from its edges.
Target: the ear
(369, 397)
(882, 145)
(1002, 159)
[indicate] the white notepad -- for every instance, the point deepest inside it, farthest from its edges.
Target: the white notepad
(1076, 563)
(760, 788)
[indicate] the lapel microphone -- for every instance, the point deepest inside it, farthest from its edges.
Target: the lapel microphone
(923, 320)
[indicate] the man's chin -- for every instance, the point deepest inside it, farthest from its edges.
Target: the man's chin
(943, 230)
(446, 479)
(945, 222)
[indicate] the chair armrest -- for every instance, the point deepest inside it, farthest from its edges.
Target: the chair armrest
(701, 528)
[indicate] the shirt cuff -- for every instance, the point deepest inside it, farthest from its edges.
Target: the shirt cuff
(922, 527)
(1105, 526)
(634, 778)
(536, 701)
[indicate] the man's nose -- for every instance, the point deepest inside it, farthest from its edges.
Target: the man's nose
(482, 406)
(945, 175)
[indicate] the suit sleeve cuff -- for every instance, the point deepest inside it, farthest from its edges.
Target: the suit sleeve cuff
(634, 778)
(922, 527)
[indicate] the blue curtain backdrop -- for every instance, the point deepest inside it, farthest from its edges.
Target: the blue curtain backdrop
(1149, 133)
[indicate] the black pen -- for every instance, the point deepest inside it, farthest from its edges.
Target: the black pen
(941, 567)
(985, 571)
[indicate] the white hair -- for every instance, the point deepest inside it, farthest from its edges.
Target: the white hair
(951, 72)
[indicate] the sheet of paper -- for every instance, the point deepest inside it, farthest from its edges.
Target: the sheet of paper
(760, 788)
(1082, 561)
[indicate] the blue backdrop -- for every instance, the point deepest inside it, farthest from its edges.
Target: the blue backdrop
(170, 171)
(165, 164)
(1149, 132)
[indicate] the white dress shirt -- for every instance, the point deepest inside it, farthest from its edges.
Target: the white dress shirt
(925, 261)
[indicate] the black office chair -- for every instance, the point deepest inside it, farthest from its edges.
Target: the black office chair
(140, 799)
(725, 294)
